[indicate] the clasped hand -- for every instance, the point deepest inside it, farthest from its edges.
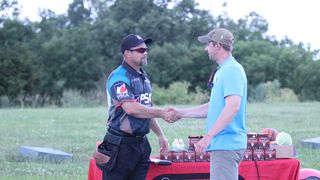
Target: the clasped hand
(171, 115)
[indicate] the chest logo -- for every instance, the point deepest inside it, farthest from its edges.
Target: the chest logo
(145, 99)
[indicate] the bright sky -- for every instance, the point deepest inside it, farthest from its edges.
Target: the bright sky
(295, 19)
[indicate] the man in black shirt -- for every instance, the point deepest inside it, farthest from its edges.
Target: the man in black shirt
(131, 116)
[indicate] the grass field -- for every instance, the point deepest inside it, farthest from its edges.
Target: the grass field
(76, 130)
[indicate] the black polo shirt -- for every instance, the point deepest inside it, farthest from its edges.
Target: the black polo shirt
(126, 84)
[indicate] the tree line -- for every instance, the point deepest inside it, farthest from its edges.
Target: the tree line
(77, 50)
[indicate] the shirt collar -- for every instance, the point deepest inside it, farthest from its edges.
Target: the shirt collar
(131, 70)
(229, 59)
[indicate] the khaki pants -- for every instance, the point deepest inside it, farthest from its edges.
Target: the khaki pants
(224, 164)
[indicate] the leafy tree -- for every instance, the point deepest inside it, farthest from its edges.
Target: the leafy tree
(77, 13)
(307, 79)
(8, 9)
(287, 62)
(198, 72)
(18, 76)
(258, 59)
(76, 51)
(252, 27)
(168, 63)
(82, 62)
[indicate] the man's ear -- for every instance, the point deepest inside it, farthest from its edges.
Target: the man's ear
(127, 53)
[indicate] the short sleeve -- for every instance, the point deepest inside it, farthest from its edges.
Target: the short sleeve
(233, 82)
(120, 92)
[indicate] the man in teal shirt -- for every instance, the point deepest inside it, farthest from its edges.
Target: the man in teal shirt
(225, 136)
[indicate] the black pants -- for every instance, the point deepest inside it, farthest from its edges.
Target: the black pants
(132, 161)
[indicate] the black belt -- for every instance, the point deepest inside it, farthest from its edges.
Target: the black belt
(124, 140)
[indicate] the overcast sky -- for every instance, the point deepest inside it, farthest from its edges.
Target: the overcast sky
(296, 19)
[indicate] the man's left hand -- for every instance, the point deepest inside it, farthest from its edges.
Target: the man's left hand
(163, 142)
(203, 144)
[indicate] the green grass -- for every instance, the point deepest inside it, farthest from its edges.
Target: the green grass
(76, 130)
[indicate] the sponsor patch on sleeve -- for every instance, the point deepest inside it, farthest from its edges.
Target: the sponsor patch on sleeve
(121, 91)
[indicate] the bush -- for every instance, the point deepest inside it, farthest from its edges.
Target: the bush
(288, 95)
(5, 102)
(178, 93)
(72, 98)
(271, 92)
(200, 96)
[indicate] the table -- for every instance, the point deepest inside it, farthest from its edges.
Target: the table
(249, 170)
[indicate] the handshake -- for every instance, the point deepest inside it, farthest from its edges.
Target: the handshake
(171, 114)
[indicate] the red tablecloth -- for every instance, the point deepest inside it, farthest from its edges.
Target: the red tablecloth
(267, 170)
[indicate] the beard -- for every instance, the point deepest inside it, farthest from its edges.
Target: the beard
(212, 58)
(144, 61)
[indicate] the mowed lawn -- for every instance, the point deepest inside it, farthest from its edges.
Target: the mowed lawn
(76, 130)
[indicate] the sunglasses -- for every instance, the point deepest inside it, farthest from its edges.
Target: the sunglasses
(139, 50)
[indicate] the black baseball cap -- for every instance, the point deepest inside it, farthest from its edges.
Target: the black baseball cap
(133, 40)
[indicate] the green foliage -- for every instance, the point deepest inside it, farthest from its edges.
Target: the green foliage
(251, 27)
(178, 93)
(39, 61)
(258, 59)
(271, 92)
(286, 95)
(307, 78)
(77, 99)
(175, 56)
(18, 77)
(176, 62)
(77, 13)
(200, 96)
(5, 102)
(8, 9)
(288, 61)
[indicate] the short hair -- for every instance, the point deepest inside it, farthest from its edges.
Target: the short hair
(224, 46)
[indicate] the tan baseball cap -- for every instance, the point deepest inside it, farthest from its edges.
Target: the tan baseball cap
(219, 35)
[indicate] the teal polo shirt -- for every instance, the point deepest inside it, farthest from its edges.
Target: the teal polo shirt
(230, 79)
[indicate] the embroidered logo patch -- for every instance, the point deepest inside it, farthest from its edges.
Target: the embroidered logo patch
(121, 90)
(138, 37)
